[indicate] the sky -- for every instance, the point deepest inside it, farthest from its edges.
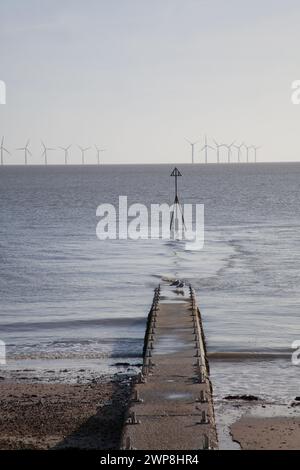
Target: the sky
(138, 77)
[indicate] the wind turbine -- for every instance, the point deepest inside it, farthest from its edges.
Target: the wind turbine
(66, 150)
(26, 151)
(255, 153)
(82, 153)
(238, 147)
(206, 147)
(98, 153)
(192, 144)
(248, 147)
(218, 149)
(3, 149)
(45, 152)
(229, 147)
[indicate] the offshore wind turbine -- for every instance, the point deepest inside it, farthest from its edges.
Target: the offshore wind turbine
(247, 150)
(229, 147)
(82, 153)
(192, 144)
(205, 148)
(26, 151)
(218, 149)
(45, 154)
(255, 152)
(98, 153)
(238, 147)
(248, 147)
(2, 150)
(66, 150)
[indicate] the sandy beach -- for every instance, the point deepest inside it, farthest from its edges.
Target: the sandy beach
(59, 416)
(280, 433)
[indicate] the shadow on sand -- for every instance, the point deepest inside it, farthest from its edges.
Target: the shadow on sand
(102, 431)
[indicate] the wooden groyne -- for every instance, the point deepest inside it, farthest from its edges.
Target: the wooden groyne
(171, 405)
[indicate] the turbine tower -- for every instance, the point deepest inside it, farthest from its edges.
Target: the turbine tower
(218, 149)
(248, 147)
(82, 153)
(205, 148)
(255, 152)
(45, 154)
(2, 150)
(98, 153)
(238, 147)
(192, 144)
(26, 151)
(229, 148)
(66, 150)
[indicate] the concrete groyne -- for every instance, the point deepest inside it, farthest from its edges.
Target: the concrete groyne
(171, 406)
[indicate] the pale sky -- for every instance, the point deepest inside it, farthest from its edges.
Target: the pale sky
(139, 76)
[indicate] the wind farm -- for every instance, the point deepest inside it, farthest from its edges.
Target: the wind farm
(211, 152)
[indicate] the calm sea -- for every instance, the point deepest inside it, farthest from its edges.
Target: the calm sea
(69, 301)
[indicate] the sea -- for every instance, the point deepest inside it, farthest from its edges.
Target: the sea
(75, 307)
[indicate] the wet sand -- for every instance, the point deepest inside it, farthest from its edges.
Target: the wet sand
(282, 433)
(58, 416)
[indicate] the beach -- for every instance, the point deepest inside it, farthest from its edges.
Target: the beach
(62, 416)
(280, 433)
(90, 416)
(250, 423)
